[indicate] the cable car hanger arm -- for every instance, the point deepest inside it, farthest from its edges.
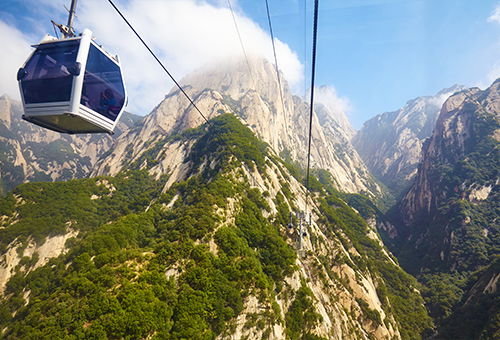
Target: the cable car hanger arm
(67, 30)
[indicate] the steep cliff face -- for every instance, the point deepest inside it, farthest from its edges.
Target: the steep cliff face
(460, 159)
(255, 97)
(203, 251)
(449, 218)
(30, 153)
(391, 143)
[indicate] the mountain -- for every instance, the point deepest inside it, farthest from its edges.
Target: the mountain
(449, 218)
(390, 144)
(31, 153)
(201, 251)
(329, 107)
(255, 97)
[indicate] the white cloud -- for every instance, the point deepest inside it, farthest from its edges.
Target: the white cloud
(185, 34)
(15, 51)
(493, 74)
(495, 15)
(439, 100)
(337, 105)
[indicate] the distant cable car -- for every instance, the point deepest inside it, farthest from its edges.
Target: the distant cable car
(71, 84)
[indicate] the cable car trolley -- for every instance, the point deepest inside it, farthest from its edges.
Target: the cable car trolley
(71, 84)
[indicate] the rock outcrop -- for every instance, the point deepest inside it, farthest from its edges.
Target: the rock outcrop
(391, 143)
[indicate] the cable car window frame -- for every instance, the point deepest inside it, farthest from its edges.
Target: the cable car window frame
(39, 79)
(103, 90)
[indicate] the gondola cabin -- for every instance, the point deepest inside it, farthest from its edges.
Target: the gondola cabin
(72, 85)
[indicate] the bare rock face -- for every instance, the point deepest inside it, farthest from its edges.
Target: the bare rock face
(31, 153)
(50, 248)
(455, 193)
(255, 98)
(391, 143)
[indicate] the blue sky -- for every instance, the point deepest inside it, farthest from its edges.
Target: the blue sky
(379, 54)
(375, 54)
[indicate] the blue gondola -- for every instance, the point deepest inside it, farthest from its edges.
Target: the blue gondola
(72, 85)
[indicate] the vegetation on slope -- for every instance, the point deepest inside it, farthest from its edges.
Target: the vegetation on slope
(141, 270)
(403, 301)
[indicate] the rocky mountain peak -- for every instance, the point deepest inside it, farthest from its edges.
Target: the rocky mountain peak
(255, 98)
(460, 159)
(451, 90)
(391, 143)
(235, 76)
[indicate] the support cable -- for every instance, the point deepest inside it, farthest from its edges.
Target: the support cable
(173, 79)
(305, 48)
(241, 42)
(274, 51)
(158, 60)
(311, 106)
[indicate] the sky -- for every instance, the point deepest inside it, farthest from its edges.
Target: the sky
(372, 55)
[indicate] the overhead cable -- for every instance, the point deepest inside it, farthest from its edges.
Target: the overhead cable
(311, 106)
(274, 51)
(305, 48)
(158, 60)
(241, 42)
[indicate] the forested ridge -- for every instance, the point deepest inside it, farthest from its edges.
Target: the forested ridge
(183, 263)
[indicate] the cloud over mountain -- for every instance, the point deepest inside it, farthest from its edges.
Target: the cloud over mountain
(186, 35)
(15, 49)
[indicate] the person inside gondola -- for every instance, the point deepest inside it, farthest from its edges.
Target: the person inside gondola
(108, 102)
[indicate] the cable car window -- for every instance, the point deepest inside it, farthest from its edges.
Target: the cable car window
(47, 77)
(103, 89)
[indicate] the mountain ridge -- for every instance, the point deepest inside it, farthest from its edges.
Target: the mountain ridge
(391, 143)
(216, 90)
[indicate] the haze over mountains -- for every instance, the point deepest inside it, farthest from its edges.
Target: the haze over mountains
(192, 218)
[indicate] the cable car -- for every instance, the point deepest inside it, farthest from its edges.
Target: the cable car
(72, 85)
